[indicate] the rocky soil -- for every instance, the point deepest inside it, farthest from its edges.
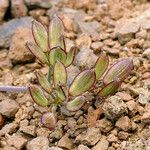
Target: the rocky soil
(121, 28)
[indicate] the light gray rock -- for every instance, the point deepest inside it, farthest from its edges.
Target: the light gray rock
(114, 107)
(126, 30)
(39, 143)
(91, 137)
(8, 29)
(86, 58)
(4, 4)
(38, 3)
(8, 108)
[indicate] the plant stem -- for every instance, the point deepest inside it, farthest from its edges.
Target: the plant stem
(49, 74)
(13, 88)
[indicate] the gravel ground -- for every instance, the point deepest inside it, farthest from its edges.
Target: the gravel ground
(121, 28)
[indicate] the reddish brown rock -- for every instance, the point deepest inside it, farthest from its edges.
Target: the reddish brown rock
(18, 53)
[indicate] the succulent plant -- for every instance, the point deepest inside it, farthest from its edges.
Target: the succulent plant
(50, 49)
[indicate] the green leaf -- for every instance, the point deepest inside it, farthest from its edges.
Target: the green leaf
(119, 70)
(109, 89)
(60, 93)
(40, 35)
(82, 83)
(38, 96)
(37, 52)
(101, 65)
(56, 30)
(57, 54)
(76, 103)
(60, 74)
(70, 56)
(44, 82)
(48, 119)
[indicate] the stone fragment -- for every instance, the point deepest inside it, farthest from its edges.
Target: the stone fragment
(123, 135)
(18, 8)
(17, 141)
(38, 4)
(124, 123)
(8, 108)
(8, 148)
(1, 120)
(91, 137)
(102, 144)
(114, 107)
(125, 31)
(8, 129)
(4, 4)
(18, 52)
(97, 46)
(83, 147)
(90, 28)
(104, 125)
(146, 53)
(71, 123)
(86, 58)
(132, 107)
(55, 148)
(112, 138)
(9, 28)
(141, 34)
(39, 143)
(30, 130)
(84, 41)
(65, 142)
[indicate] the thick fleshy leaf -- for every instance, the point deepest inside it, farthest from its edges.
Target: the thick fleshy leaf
(55, 33)
(57, 54)
(37, 52)
(109, 89)
(119, 70)
(76, 103)
(38, 96)
(101, 65)
(60, 93)
(49, 120)
(44, 82)
(82, 83)
(70, 56)
(60, 74)
(40, 35)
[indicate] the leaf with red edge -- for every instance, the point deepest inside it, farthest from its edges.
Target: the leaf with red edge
(37, 52)
(109, 89)
(57, 54)
(44, 82)
(49, 120)
(38, 96)
(40, 35)
(119, 70)
(82, 83)
(101, 65)
(59, 74)
(76, 103)
(70, 56)
(56, 30)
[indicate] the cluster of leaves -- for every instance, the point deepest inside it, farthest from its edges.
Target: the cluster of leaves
(50, 49)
